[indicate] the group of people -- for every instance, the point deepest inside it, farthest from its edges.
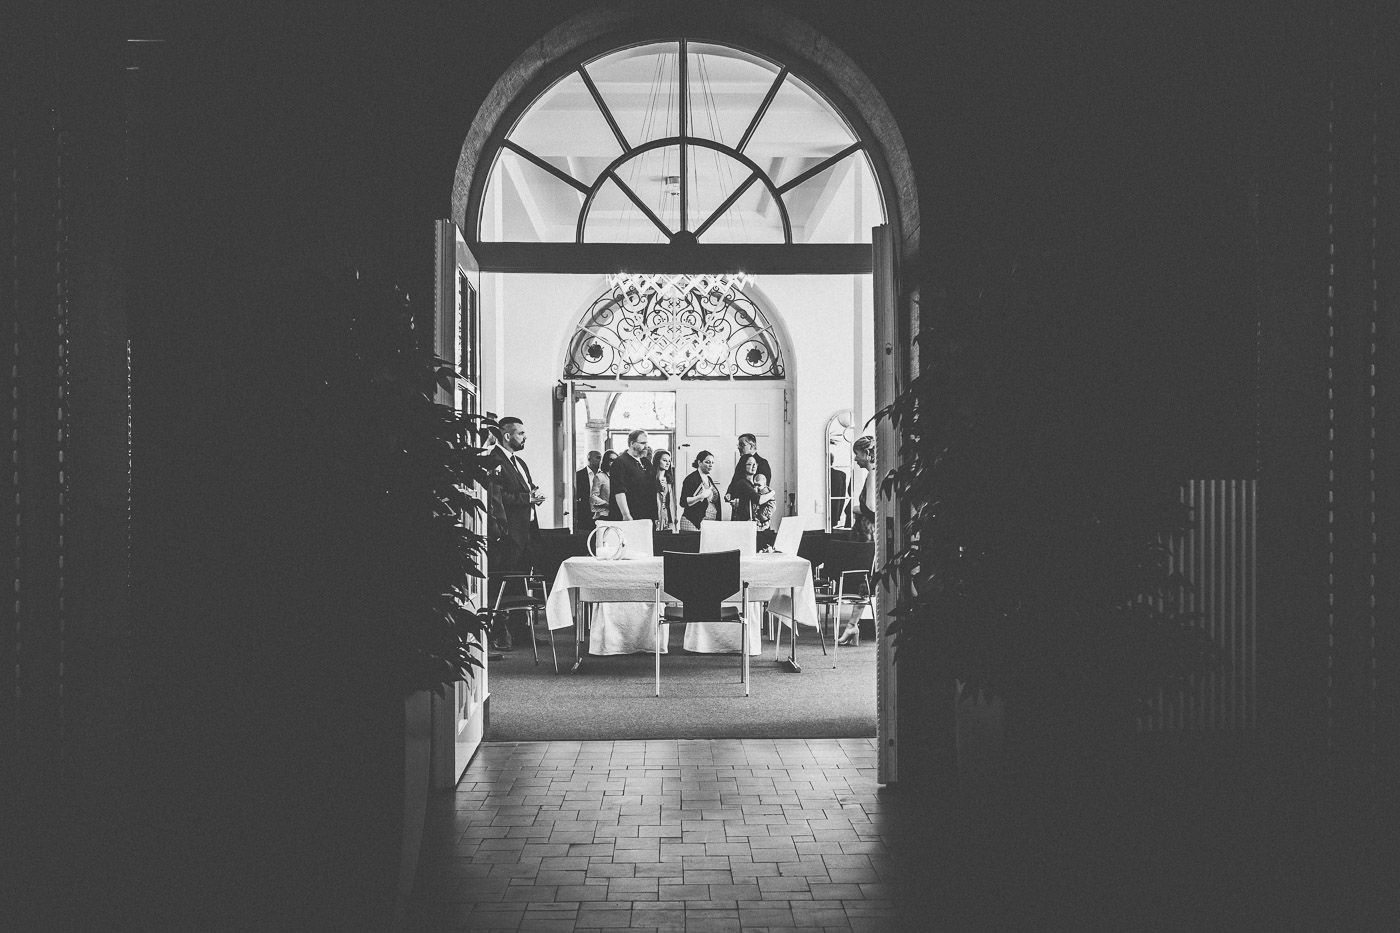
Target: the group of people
(642, 484)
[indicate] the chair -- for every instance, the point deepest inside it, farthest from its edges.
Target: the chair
(618, 626)
(531, 601)
(849, 565)
(788, 540)
(702, 582)
(724, 536)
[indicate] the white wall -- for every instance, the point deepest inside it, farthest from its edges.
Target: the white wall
(825, 325)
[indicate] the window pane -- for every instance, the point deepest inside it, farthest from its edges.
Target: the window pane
(753, 218)
(565, 124)
(614, 218)
(523, 202)
(640, 87)
(798, 131)
(727, 87)
(838, 205)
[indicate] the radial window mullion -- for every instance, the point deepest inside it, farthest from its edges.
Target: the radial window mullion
(641, 205)
(726, 204)
(817, 169)
(604, 109)
(762, 109)
(547, 166)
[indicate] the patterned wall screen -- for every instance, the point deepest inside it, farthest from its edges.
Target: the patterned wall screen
(665, 326)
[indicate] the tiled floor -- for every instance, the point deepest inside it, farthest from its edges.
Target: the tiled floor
(684, 835)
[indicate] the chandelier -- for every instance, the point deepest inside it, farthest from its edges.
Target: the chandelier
(678, 284)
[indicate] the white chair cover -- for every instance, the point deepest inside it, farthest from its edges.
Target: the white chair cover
(789, 536)
(729, 536)
(636, 536)
(720, 637)
(626, 628)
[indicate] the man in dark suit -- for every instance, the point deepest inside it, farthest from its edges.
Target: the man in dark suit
(631, 483)
(513, 500)
(585, 481)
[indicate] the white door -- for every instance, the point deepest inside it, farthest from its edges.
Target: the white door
(891, 348)
(459, 716)
(711, 416)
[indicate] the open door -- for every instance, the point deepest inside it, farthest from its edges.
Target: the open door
(890, 355)
(459, 717)
(711, 416)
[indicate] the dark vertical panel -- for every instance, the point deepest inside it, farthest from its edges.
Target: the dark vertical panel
(1385, 399)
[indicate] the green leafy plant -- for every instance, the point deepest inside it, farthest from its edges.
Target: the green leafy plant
(405, 470)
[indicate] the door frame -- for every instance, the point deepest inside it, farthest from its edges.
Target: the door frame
(458, 720)
(781, 36)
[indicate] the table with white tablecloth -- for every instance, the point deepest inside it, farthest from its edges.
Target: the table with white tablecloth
(590, 579)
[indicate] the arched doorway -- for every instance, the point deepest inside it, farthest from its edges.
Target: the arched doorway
(620, 195)
(701, 342)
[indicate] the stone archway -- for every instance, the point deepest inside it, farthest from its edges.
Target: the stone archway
(764, 29)
(757, 25)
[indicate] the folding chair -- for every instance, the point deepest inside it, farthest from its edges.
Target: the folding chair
(848, 566)
(702, 582)
(531, 601)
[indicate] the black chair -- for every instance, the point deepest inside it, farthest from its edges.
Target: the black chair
(530, 600)
(847, 569)
(702, 582)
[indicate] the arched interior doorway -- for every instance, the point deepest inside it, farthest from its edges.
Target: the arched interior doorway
(705, 355)
(674, 187)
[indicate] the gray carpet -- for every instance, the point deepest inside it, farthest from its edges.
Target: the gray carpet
(612, 698)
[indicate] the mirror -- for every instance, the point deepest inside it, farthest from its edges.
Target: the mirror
(840, 435)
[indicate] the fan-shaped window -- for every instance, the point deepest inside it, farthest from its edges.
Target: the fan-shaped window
(664, 326)
(678, 141)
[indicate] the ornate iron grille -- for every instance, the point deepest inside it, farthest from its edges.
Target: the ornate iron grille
(665, 326)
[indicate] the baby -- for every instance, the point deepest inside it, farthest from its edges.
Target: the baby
(763, 504)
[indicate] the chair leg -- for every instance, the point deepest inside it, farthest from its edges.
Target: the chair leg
(530, 624)
(744, 634)
(552, 651)
(656, 642)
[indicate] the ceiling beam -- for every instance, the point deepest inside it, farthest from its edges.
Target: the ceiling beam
(754, 258)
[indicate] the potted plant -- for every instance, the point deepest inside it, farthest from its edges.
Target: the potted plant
(403, 466)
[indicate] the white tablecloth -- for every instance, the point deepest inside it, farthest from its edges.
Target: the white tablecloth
(594, 580)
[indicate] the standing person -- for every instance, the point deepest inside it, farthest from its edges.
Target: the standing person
(699, 495)
(585, 485)
(665, 490)
(763, 505)
(748, 447)
(631, 485)
(864, 453)
(599, 494)
(744, 492)
(513, 501)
